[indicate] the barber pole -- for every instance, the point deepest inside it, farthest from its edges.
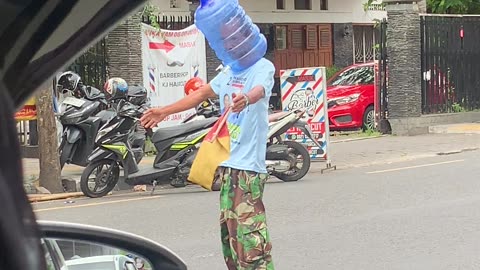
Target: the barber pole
(151, 74)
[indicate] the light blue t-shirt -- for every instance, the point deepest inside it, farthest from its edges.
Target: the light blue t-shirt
(249, 128)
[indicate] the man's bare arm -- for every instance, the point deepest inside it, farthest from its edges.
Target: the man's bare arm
(190, 101)
(256, 94)
(155, 115)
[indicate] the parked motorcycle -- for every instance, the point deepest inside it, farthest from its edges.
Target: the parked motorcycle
(174, 145)
(288, 160)
(82, 112)
(176, 149)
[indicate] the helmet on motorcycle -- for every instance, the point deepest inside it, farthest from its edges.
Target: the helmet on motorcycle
(137, 95)
(115, 88)
(193, 85)
(70, 81)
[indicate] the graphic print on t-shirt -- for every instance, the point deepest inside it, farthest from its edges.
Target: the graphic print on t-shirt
(235, 86)
(248, 130)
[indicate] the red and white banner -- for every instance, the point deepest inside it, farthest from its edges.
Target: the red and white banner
(170, 58)
(306, 88)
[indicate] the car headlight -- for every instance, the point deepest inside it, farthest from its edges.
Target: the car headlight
(105, 131)
(343, 100)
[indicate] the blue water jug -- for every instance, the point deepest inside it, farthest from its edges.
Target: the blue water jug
(233, 36)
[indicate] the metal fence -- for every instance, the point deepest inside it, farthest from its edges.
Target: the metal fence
(92, 66)
(382, 96)
(450, 63)
(169, 22)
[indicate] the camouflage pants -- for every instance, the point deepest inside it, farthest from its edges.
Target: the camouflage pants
(245, 239)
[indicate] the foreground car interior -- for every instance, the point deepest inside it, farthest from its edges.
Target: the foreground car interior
(38, 38)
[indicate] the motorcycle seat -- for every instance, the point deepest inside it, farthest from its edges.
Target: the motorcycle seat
(163, 134)
(274, 117)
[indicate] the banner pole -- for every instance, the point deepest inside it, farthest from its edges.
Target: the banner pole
(328, 156)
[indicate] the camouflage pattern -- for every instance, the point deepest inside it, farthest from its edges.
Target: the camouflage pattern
(245, 239)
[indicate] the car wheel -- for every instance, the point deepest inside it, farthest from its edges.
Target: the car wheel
(369, 119)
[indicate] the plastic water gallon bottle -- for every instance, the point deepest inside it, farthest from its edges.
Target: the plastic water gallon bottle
(233, 36)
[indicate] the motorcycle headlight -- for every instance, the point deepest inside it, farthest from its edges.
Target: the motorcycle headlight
(343, 100)
(105, 131)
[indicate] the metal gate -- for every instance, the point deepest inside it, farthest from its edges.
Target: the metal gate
(169, 22)
(450, 63)
(92, 66)
(382, 79)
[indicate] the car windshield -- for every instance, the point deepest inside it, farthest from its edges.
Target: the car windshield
(354, 76)
(350, 177)
(10, 10)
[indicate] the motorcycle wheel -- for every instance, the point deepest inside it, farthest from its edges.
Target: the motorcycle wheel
(297, 151)
(104, 179)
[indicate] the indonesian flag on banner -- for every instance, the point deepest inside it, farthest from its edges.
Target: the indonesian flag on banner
(214, 150)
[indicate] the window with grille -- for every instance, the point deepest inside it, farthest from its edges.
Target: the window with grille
(364, 39)
(281, 37)
(323, 4)
(280, 4)
(173, 4)
(303, 4)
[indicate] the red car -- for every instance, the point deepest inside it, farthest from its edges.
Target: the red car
(350, 95)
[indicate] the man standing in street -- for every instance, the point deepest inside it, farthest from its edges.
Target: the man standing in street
(245, 239)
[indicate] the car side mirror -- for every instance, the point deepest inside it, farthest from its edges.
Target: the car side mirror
(75, 246)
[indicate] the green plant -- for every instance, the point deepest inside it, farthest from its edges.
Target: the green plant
(149, 147)
(456, 107)
(445, 6)
(152, 12)
(332, 71)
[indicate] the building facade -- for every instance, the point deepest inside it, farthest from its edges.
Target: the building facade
(303, 33)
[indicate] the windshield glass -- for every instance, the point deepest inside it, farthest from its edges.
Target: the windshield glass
(354, 76)
(9, 10)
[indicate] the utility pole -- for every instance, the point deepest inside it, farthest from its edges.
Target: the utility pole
(50, 171)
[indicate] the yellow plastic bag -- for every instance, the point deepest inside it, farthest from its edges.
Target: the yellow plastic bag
(214, 150)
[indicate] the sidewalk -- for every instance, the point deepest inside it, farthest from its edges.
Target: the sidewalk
(390, 149)
(344, 152)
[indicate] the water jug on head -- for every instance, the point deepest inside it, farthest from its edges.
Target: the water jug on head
(233, 36)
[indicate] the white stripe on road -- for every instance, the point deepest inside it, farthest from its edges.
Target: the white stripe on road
(95, 204)
(417, 166)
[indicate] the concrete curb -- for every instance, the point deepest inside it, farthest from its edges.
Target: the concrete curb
(53, 197)
(396, 160)
(470, 128)
(358, 139)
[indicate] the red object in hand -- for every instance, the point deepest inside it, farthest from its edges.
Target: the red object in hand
(193, 85)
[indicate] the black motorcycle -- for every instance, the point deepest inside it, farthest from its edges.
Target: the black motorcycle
(175, 148)
(81, 119)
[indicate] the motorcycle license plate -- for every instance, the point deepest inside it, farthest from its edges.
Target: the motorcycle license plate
(74, 102)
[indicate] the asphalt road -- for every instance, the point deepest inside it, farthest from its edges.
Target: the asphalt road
(411, 215)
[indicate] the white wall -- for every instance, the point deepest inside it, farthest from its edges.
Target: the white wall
(164, 7)
(264, 11)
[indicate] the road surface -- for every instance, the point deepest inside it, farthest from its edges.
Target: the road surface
(422, 214)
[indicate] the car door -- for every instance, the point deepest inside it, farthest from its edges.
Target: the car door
(53, 255)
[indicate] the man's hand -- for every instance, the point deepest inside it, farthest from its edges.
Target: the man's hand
(152, 117)
(240, 102)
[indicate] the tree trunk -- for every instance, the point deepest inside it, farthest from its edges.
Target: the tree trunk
(50, 172)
